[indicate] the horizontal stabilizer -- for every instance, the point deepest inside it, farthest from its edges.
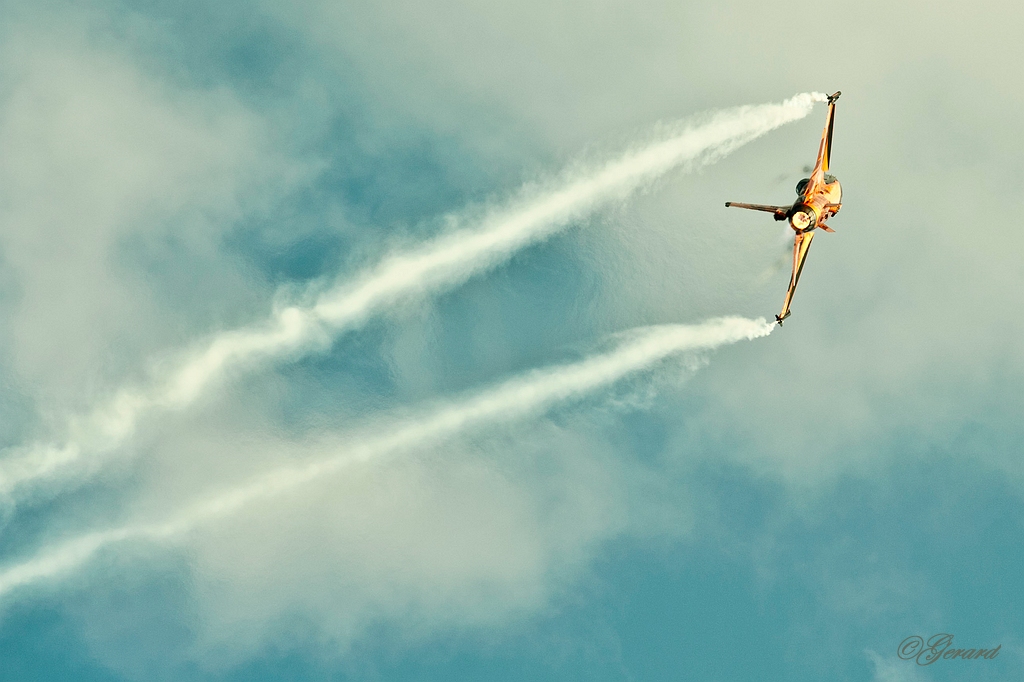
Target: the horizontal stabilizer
(779, 211)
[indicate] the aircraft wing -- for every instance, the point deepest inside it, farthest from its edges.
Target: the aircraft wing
(801, 245)
(779, 211)
(825, 149)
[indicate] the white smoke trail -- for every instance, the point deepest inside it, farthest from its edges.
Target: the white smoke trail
(436, 266)
(516, 399)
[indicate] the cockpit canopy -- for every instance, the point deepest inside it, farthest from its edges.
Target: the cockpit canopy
(802, 185)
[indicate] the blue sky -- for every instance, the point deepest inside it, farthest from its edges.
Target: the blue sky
(782, 508)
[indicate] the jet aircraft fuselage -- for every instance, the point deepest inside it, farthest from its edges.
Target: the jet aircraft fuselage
(819, 197)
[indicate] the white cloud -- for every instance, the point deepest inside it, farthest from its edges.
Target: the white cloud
(519, 398)
(902, 313)
(894, 670)
(294, 329)
(465, 533)
(108, 170)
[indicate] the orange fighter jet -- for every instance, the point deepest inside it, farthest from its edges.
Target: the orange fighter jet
(818, 199)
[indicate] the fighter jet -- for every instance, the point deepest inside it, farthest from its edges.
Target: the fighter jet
(819, 198)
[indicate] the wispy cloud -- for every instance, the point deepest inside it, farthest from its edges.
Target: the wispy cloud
(516, 399)
(298, 328)
(893, 670)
